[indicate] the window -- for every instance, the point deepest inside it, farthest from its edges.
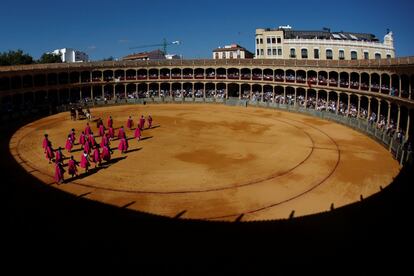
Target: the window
(341, 54)
(269, 52)
(224, 55)
(279, 40)
(274, 40)
(316, 53)
(257, 41)
(257, 52)
(268, 40)
(231, 55)
(279, 51)
(304, 53)
(388, 56)
(262, 52)
(261, 41)
(274, 51)
(366, 55)
(377, 56)
(217, 55)
(354, 55)
(329, 54)
(292, 53)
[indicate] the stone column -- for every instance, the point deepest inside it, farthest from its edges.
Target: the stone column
(306, 98)
(380, 82)
(359, 106)
(369, 82)
(379, 110)
(226, 93)
(192, 87)
(261, 96)
(327, 100)
(294, 102)
(369, 108)
(398, 117)
(337, 103)
(349, 105)
(399, 87)
(389, 114)
(240, 91)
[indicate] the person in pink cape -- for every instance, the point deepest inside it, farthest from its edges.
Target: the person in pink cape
(96, 156)
(87, 147)
(69, 143)
(59, 171)
(129, 122)
(110, 122)
(104, 140)
(49, 152)
(72, 167)
(106, 153)
(137, 133)
(72, 135)
(59, 155)
(85, 161)
(123, 145)
(92, 140)
(149, 121)
(88, 129)
(101, 130)
(111, 132)
(82, 139)
(45, 143)
(142, 122)
(121, 133)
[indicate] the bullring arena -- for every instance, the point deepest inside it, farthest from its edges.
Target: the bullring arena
(218, 162)
(225, 144)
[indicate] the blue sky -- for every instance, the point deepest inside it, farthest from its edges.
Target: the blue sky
(110, 28)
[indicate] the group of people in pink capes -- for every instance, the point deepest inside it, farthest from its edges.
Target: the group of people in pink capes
(92, 152)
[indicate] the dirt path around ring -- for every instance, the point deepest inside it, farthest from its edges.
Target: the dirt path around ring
(218, 162)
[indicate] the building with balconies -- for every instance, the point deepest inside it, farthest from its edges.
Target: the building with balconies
(287, 43)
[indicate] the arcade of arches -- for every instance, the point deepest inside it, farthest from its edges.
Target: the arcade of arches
(385, 90)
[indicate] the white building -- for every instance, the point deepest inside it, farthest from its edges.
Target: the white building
(71, 55)
(287, 43)
(172, 56)
(233, 51)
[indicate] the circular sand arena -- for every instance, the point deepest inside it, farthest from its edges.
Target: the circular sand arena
(217, 162)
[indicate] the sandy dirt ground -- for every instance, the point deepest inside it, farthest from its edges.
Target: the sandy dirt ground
(217, 162)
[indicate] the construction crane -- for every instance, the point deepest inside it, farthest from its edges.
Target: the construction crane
(164, 45)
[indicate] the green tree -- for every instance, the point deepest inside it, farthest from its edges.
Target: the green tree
(15, 58)
(50, 58)
(111, 58)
